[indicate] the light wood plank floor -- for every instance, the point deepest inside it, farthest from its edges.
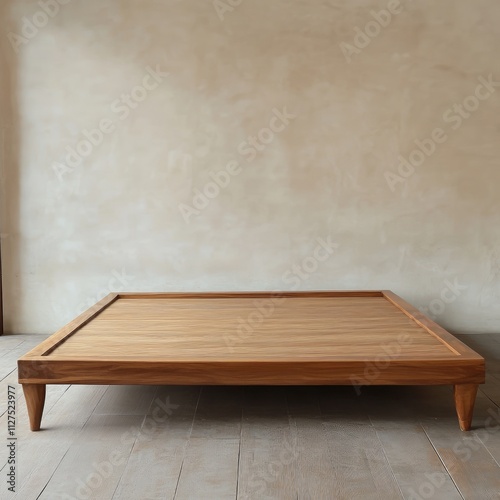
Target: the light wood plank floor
(310, 443)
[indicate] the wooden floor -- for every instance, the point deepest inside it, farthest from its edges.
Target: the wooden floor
(190, 443)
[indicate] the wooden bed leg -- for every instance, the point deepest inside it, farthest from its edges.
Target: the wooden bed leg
(465, 397)
(35, 399)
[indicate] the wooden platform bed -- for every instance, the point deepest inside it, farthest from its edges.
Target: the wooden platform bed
(254, 338)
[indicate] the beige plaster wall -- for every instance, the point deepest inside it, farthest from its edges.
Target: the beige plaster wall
(313, 120)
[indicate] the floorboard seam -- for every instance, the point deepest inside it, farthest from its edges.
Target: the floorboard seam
(129, 455)
(442, 461)
(387, 460)
(488, 397)
(178, 478)
(55, 469)
(187, 442)
(239, 456)
(8, 374)
(292, 424)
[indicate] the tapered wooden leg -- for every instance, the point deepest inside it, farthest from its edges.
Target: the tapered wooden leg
(465, 397)
(35, 399)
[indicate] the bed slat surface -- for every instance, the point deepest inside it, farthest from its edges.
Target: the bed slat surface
(245, 328)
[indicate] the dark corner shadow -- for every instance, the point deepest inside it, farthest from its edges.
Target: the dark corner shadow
(9, 167)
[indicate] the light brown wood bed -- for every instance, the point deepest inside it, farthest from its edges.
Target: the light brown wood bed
(253, 338)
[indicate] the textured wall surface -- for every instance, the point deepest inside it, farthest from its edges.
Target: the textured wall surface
(199, 145)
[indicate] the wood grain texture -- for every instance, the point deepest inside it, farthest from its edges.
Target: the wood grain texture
(159, 450)
(14, 346)
(420, 371)
(35, 400)
(429, 325)
(465, 397)
(209, 470)
(95, 460)
(332, 417)
(474, 470)
(415, 464)
(9, 342)
(73, 326)
(249, 338)
(236, 328)
(268, 451)
(339, 459)
(160, 445)
(66, 412)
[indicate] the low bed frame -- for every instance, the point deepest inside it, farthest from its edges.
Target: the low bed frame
(253, 338)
